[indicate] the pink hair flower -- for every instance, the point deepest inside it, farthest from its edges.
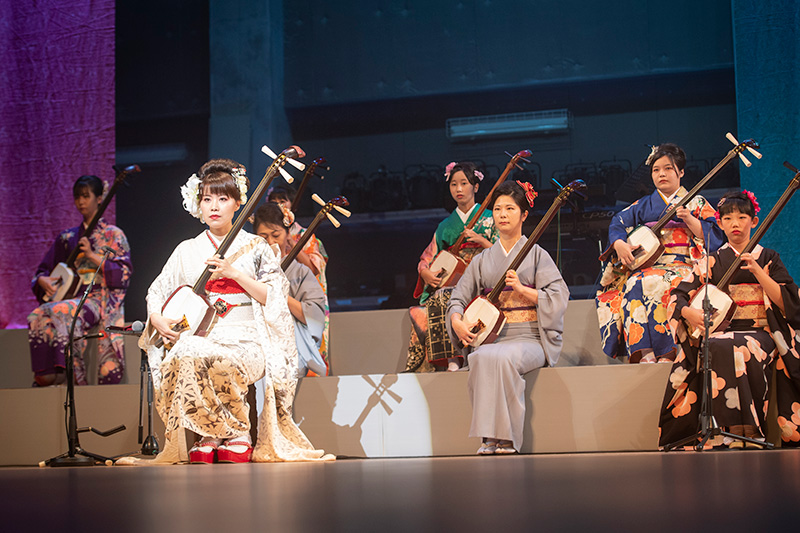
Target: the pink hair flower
(448, 169)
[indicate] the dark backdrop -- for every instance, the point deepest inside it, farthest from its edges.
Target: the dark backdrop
(369, 85)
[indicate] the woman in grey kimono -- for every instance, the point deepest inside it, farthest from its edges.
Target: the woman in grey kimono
(533, 302)
(306, 300)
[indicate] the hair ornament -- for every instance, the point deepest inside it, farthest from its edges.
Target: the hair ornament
(752, 197)
(479, 174)
(288, 216)
(240, 176)
(448, 169)
(530, 194)
(653, 151)
(105, 189)
(191, 197)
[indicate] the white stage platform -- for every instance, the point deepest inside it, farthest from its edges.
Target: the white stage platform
(367, 409)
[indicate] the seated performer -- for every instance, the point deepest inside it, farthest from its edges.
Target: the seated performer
(430, 347)
(741, 356)
(313, 256)
(306, 299)
(201, 382)
(631, 306)
(49, 324)
(534, 302)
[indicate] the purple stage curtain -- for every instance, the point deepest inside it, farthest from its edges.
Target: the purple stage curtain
(56, 123)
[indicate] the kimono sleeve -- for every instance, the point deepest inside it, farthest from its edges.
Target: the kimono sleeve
(117, 269)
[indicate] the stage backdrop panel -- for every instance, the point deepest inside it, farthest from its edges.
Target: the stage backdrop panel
(767, 97)
(56, 124)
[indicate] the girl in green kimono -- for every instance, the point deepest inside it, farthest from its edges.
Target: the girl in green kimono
(430, 347)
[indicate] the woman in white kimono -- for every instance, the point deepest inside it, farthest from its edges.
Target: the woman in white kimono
(533, 301)
(306, 300)
(201, 382)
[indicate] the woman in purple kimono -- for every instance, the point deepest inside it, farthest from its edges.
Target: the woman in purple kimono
(49, 324)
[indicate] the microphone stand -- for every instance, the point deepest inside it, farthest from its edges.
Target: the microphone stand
(707, 427)
(75, 455)
(150, 446)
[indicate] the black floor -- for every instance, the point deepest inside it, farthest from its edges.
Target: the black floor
(678, 491)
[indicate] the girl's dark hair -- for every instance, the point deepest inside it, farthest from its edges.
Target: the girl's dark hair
(281, 192)
(736, 201)
(91, 182)
(216, 177)
(512, 188)
(468, 168)
(674, 152)
(269, 213)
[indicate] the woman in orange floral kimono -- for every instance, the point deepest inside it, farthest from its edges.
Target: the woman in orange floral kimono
(632, 306)
(761, 332)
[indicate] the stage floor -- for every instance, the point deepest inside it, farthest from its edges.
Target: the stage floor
(650, 491)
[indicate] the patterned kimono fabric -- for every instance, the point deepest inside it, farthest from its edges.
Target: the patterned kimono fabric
(201, 382)
(632, 306)
(429, 347)
(741, 356)
(319, 257)
(49, 324)
(530, 339)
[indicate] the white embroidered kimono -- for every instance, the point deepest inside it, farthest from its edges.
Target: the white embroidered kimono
(201, 383)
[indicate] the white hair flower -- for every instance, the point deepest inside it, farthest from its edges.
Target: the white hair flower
(191, 197)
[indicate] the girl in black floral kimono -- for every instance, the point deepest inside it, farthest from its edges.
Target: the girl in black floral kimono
(760, 333)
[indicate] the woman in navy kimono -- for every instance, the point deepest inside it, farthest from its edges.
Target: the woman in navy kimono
(632, 306)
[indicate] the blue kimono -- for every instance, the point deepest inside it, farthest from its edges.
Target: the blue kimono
(632, 306)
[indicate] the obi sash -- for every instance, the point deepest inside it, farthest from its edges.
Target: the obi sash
(676, 240)
(515, 307)
(235, 294)
(749, 298)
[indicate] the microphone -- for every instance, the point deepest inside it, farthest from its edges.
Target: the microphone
(108, 250)
(136, 328)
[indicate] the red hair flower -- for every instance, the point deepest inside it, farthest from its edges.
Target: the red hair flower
(530, 194)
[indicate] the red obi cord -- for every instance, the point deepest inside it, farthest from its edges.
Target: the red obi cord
(224, 286)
